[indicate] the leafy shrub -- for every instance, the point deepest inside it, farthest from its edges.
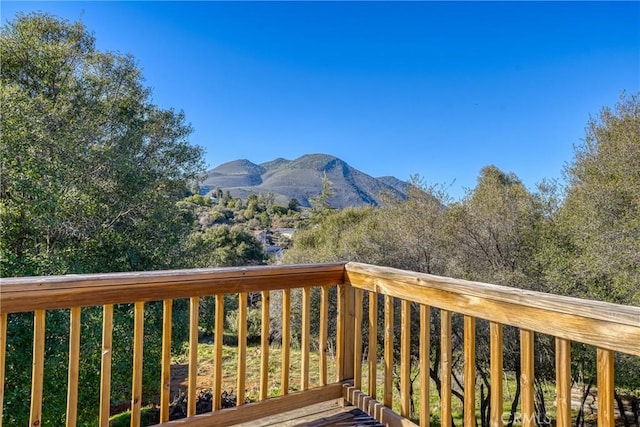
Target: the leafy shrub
(254, 323)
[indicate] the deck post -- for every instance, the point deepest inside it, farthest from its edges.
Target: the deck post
(347, 310)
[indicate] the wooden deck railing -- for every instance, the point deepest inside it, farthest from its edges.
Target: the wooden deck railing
(610, 328)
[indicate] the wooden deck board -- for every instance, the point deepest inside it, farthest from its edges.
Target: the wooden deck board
(325, 414)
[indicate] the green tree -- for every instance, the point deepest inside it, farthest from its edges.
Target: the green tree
(91, 173)
(413, 233)
(494, 229)
(601, 213)
(294, 205)
(91, 169)
(320, 207)
(222, 246)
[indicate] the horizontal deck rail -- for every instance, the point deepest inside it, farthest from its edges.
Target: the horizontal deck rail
(52, 292)
(611, 326)
(359, 293)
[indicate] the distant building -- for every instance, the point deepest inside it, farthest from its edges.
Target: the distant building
(260, 236)
(286, 232)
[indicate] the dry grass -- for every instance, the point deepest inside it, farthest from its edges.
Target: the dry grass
(179, 370)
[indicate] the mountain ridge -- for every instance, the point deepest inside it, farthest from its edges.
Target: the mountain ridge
(301, 179)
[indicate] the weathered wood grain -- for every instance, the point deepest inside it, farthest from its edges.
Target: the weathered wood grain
(563, 383)
(260, 409)
(357, 339)
(611, 326)
(305, 339)
(606, 390)
(372, 356)
(138, 340)
(194, 310)
(527, 377)
(323, 336)
(165, 373)
(218, 331)
(37, 375)
(425, 345)
(349, 332)
(50, 292)
(405, 358)
(242, 348)
(496, 366)
(264, 346)
(374, 409)
(388, 351)
(74, 366)
(469, 371)
(340, 343)
(446, 364)
(105, 366)
(286, 338)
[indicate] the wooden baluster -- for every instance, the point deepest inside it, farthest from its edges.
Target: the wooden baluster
(373, 343)
(194, 311)
(469, 371)
(445, 360)
(405, 358)
(425, 345)
(324, 323)
(286, 339)
(264, 347)
(242, 348)
(74, 361)
(357, 339)
(138, 340)
(218, 330)
(306, 329)
(388, 351)
(165, 387)
(349, 331)
(606, 388)
(527, 377)
(3, 349)
(105, 369)
(35, 418)
(340, 333)
(497, 402)
(563, 382)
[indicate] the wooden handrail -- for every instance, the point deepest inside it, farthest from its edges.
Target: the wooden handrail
(25, 294)
(606, 325)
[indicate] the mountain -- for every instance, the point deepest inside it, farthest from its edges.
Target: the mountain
(302, 179)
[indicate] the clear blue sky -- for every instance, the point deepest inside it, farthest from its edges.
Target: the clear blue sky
(392, 88)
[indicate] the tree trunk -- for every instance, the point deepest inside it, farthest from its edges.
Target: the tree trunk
(485, 406)
(585, 394)
(540, 408)
(621, 409)
(516, 399)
